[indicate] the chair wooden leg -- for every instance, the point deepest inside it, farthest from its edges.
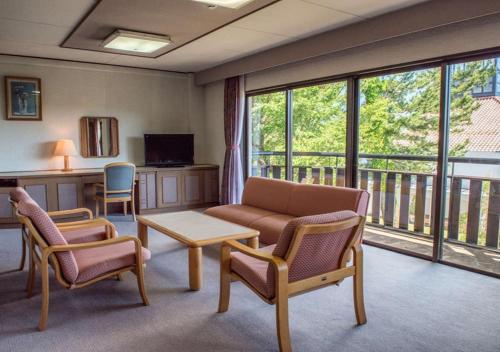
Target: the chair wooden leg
(23, 251)
(132, 208)
(359, 302)
(31, 269)
(125, 208)
(119, 277)
(105, 204)
(139, 272)
(282, 324)
(225, 279)
(97, 208)
(44, 269)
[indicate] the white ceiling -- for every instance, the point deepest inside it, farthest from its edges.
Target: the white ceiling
(37, 27)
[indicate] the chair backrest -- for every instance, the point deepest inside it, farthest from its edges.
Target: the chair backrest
(19, 194)
(316, 244)
(299, 199)
(36, 219)
(119, 177)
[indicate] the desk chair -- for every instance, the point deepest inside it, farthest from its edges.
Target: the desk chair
(118, 187)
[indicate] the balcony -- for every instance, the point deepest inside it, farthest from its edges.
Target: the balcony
(400, 213)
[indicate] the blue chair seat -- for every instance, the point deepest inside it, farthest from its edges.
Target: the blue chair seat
(113, 195)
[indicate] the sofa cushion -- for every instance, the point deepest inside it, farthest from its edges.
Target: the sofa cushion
(19, 194)
(240, 214)
(271, 227)
(94, 262)
(88, 234)
(49, 231)
(268, 194)
(253, 270)
(317, 199)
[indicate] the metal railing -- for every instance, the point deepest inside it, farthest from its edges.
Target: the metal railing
(404, 199)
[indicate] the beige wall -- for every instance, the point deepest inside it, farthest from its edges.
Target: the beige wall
(214, 120)
(144, 101)
(458, 38)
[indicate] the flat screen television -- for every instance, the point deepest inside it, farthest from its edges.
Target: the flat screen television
(168, 150)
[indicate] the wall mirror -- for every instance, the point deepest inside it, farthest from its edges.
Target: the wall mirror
(99, 137)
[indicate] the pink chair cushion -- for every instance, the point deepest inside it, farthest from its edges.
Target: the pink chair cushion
(94, 262)
(237, 213)
(254, 271)
(49, 231)
(271, 227)
(19, 194)
(88, 234)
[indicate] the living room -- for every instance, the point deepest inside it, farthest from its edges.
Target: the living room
(249, 175)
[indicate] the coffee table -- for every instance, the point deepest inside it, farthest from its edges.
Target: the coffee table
(195, 230)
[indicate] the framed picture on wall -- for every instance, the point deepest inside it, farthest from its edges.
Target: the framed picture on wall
(23, 98)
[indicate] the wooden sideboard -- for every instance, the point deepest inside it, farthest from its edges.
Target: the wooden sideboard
(157, 189)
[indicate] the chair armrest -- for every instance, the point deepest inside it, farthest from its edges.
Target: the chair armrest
(276, 261)
(71, 212)
(101, 185)
(83, 224)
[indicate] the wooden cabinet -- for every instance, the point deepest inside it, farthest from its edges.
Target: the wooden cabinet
(211, 183)
(6, 212)
(157, 189)
(55, 193)
(169, 189)
(147, 190)
(193, 187)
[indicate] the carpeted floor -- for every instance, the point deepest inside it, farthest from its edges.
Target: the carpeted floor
(412, 305)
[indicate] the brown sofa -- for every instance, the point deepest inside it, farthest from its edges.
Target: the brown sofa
(268, 205)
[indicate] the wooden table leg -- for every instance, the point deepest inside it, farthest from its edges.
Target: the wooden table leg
(195, 268)
(142, 231)
(253, 242)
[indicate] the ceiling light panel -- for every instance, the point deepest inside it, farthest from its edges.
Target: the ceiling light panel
(232, 4)
(136, 42)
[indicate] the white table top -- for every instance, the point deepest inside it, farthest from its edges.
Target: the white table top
(196, 229)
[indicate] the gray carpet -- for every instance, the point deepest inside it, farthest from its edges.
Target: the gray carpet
(412, 305)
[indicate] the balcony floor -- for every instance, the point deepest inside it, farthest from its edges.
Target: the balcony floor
(460, 254)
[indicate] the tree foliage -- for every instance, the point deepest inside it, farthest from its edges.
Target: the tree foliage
(399, 114)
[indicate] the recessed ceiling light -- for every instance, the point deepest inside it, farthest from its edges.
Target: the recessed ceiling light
(136, 42)
(232, 4)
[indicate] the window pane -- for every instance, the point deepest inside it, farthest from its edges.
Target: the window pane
(398, 143)
(319, 133)
(266, 147)
(473, 187)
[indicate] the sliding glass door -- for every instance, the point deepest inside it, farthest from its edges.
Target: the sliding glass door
(398, 144)
(266, 138)
(471, 231)
(319, 133)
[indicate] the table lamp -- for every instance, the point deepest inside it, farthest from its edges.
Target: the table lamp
(66, 148)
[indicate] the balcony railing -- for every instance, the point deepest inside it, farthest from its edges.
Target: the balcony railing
(404, 200)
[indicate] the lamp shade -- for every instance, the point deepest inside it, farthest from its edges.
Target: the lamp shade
(65, 147)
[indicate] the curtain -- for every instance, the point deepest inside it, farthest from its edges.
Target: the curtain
(234, 106)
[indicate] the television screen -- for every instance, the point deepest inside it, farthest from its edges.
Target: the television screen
(169, 149)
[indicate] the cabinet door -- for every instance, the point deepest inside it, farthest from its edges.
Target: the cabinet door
(168, 185)
(6, 211)
(147, 190)
(69, 192)
(211, 179)
(38, 189)
(193, 190)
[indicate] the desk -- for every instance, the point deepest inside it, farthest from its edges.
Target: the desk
(157, 189)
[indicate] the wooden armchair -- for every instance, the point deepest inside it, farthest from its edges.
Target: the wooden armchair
(80, 264)
(101, 229)
(311, 253)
